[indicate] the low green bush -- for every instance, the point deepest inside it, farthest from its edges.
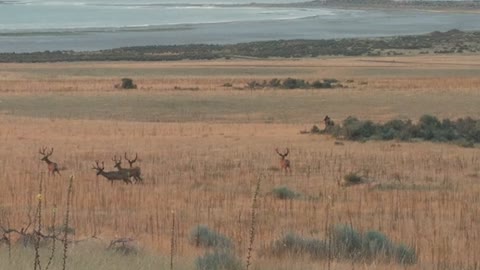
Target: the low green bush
(218, 260)
(284, 193)
(206, 237)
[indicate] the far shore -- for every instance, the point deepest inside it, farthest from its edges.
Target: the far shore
(447, 6)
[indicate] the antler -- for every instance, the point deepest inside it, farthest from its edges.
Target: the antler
(282, 155)
(131, 161)
(43, 151)
(98, 166)
(114, 159)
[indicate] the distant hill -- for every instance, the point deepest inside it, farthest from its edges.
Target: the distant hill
(453, 41)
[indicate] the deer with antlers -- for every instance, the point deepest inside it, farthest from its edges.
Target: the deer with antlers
(52, 166)
(284, 163)
(112, 175)
(134, 172)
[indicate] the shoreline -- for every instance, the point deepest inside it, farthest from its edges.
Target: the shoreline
(442, 7)
(450, 42)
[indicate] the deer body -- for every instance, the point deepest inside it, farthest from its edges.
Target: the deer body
(328, 122)
(134, 172)
(52, 166)
(119, 175)
(284, 163)
(113, 175)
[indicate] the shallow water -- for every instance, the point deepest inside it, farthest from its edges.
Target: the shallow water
(39, 25)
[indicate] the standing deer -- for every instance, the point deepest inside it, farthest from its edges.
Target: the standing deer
(52, 166)
(113, 175)
(134, 172)
(284, 163)
(328, 123)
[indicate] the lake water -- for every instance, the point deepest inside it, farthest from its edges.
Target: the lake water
(38, 25)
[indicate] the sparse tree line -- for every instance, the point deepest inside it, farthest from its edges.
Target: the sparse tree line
(453, 41)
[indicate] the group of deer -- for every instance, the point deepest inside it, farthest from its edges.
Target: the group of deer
(121, 173)
(124, 174)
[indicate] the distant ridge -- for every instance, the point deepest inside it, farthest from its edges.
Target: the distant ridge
(452, 41)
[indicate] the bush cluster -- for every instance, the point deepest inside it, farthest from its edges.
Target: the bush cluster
(465, 131)
(221, 255)
(345, 243)
(292, 83)
(206, 237)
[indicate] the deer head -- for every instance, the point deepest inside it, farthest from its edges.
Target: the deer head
(118, 162)
(98, 168)
(131, 161)
(43, 151)
(282, 155)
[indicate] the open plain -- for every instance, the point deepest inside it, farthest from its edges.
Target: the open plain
(204, 139)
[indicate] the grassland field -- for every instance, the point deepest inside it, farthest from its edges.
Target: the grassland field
(202, 151)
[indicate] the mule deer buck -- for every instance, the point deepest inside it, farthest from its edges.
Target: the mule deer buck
(284, 163)
(134, 172)
(113, 175)
(52, 166)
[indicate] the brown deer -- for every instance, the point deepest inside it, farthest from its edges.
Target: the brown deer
(328, 123)
(134, 172)
(113, 175)
(284, 163)
(52, 166)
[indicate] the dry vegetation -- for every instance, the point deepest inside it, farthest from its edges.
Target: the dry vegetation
(425, 195)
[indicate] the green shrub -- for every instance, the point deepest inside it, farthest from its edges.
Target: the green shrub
(293, 244)
(462, 131)
(353, 178)
(405, 255)
(377, 244)
(347, 242)
(218, 260)
(284, 193)
(319, 85)
(206, 237)
(275, 83)
(291, 83)
(127, 83)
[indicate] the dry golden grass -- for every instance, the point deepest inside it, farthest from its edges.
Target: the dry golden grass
(460, 73)
(206, 171)
(206, 174)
